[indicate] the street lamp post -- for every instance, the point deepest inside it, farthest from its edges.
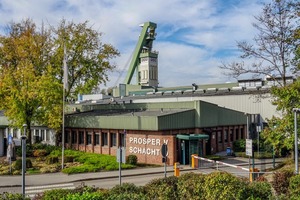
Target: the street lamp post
(296, 110)
(23, 137)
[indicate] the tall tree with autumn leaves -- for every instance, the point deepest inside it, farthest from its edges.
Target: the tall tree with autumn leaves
(31, 73)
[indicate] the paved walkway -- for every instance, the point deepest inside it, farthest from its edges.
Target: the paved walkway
(57, 178)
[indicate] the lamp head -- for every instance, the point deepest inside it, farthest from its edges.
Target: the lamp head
(23, 137)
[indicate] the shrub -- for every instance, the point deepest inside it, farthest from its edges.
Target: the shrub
(294, 187)
(127, 196)
(190, 186)
(125, 188)
(69, 158)
(239, 145)
(51, 160)
(132, 160)
(280, 181)
(259, 190)
(164, 188)
(222, 185)
(80, 169)
(18, 164)
(85, 196)
(56, 194)
(28, 150)
(10, 196)
(39, 153)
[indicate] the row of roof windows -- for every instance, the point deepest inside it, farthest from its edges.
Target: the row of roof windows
(210, 90)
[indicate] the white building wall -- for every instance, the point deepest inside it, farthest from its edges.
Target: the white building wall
(248, 103)
(1, 142)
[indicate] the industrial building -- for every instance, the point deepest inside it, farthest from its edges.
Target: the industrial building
(195, 119)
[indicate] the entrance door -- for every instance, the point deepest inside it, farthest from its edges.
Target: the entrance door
(185, 152)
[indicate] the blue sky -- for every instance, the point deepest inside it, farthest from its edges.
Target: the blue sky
(193, 36)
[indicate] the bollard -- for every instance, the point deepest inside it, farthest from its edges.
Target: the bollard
(194, 161)
(176, 169)
(252, 174)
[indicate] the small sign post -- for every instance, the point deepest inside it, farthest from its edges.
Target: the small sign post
(248, 147)
(121, 159)
(164, 153)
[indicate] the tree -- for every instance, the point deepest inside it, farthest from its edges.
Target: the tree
(273, 45)
(88, 59)
(280, 132)
(24, 79)
(31, 73)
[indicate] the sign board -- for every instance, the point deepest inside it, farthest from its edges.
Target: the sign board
(10, 139)
(248, 147)
(121, 151)
(164, 150)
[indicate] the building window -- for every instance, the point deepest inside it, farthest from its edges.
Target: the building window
(89, 138)
(74, 137)
(226, 136)
(15, 133)
(96, 139)
(42, 135)
(48, 135)
(113, 139)
(122, 139)
(66, 136)
(237, 134)
(81, 137)
(242, 133)
(219, 137)
(104, 139)
(231, 135)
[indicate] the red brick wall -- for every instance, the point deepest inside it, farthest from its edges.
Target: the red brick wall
(97, 149)
(89, 148)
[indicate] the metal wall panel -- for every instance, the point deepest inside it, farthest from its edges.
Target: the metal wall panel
(185, 119)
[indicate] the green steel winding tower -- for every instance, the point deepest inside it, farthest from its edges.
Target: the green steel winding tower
(144, 60)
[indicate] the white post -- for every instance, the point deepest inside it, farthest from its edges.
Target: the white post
(296, 110)
(23, 137)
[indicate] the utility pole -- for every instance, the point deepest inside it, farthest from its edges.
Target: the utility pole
(296, 110)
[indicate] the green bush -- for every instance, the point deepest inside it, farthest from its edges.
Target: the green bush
(222, 185)
(294, 187)
(39, 153)
(132, 159)
(10, 196)
(56, 194)
(164, 188)
(69, 158)
(239, 145)
(51, 160)
(128, 196)
(48, 148)
(280, 181)
(125, 188)
(259, 190)
(190, 186)
(18, 164)
(85, 196)
(80, 169)
(29, 150)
